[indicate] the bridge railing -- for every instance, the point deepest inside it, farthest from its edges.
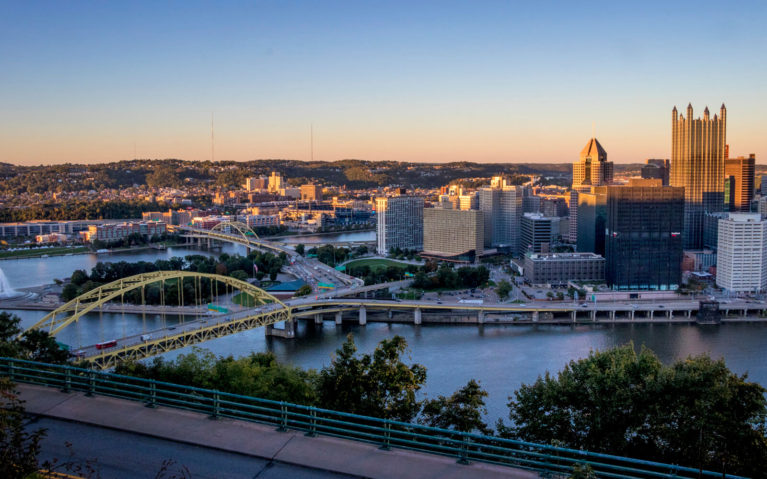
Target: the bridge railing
(465, 447)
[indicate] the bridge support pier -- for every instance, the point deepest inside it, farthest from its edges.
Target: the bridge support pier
(363, 316)
(573, 315)
(612, 315)
(651, 314)
(318, 319)
(339, 318)
(631, 315)
(669, 314)
(688, 314)
(389, 313)
(480, 317)
(417, 316)
(535, 316)
(289, 332)
(593, 315)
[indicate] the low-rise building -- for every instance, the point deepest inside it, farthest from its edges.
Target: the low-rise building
(559, 268)
(119, 231)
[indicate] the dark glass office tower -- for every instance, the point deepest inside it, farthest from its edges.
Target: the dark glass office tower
(643, 237)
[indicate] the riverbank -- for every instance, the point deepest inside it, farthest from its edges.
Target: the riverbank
(42, 252)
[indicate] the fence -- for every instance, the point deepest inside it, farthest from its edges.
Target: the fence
(465, 447)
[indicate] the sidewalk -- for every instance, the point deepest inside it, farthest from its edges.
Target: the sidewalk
(292, 447)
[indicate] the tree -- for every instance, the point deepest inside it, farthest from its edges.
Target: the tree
(9, 330)
(38, 345)
(462, 411)
(695, 412)
(300, 249)
(239, 274)
(304, 290)
(378, 385)
(503, 289)
(18, 448)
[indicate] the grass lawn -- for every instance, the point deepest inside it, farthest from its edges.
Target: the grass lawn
(376, 264)
(244, 299)
(41, 251)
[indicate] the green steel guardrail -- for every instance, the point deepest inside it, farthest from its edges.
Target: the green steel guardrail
(465, 447)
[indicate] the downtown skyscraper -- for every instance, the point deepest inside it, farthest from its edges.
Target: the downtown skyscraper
(697, 164)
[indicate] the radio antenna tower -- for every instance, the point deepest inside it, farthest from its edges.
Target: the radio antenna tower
(212, 140)
(311, 141)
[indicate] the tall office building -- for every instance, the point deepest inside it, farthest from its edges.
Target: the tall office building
(501, 208)
(592, 168)
(311, 192)
(456, 235)
(657, 169)
(592, 216)
(276, 182)
(739, 174)
(697, 164)
(643, 237)
(538, 232)
(741, 263)
(573, 208)
(260, 183)
(400, 223)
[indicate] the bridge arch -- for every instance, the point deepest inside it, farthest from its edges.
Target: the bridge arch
(243, 229)
(60, 317)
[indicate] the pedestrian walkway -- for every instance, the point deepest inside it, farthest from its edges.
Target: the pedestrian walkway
(258, 440)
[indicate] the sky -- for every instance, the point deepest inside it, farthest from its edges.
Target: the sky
(424, 81)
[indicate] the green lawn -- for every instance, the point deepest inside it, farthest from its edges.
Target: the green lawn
(41, 251)
(376, 264)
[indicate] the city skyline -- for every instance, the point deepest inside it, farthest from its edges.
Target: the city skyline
(494, 83)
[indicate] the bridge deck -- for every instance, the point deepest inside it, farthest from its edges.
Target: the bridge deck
(291, 447)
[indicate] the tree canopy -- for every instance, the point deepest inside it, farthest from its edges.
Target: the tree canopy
(695, 412)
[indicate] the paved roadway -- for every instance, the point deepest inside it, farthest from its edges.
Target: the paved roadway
(439, 303)
(118, 454)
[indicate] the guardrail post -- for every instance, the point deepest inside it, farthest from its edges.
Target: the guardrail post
(67, 380)
(463, 453)
(152, 395)
(216, 405)
(11, 367)
(387, 437)
(283, 417)
(312, 423)
(91, 383)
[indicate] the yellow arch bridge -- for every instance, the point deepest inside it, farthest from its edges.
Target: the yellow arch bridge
(266, 310)
(234, 232)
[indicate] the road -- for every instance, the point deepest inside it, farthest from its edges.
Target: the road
(120, 454)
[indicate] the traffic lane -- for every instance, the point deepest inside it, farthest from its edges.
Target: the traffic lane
(120, 454)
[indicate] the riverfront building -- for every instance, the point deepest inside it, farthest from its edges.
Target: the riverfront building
(456, 235)
(501, 208)
(739, 183)
(742, 253)
(643, 236)
(697, 164)
(311, 192)
(400, 223)
(560, 268)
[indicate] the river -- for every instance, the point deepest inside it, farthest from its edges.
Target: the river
(501, 357)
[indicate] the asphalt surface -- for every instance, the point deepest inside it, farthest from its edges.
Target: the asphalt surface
(119, 454)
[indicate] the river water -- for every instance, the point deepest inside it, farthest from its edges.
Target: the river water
(501, 357)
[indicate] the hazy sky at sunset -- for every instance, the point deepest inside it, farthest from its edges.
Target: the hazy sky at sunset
(379, 80)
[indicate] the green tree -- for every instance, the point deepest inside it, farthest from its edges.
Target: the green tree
(18, 448)
(9, 331)
(695, 412)
(462, 411)
(503, 289)
(300, 249)
(304, 290)
(379, 385)
(38, 345)
(239, 274)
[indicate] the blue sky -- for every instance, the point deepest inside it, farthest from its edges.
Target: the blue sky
(409, 81)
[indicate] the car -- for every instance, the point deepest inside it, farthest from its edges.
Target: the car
(584, 305)
(439, 302)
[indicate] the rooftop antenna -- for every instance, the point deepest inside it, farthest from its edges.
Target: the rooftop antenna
(212, 138)
(593, 129)
(311, 141)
